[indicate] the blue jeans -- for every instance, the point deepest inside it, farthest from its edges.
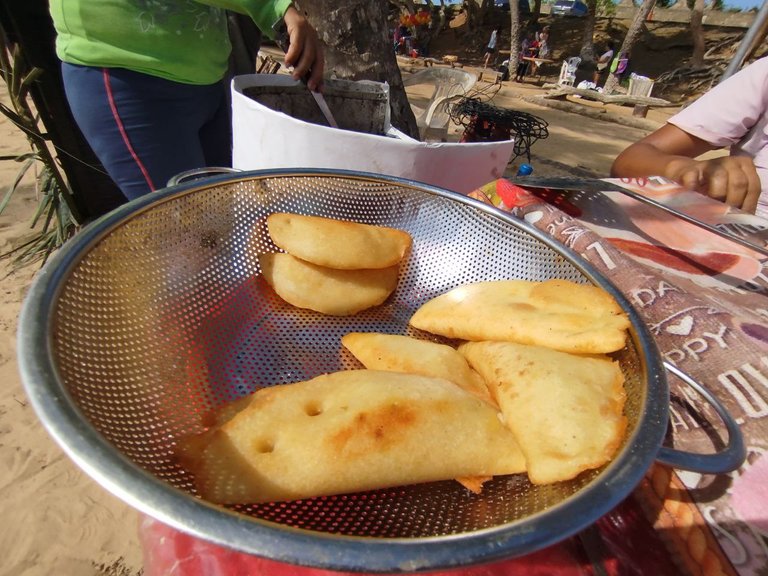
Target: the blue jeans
(145, 129)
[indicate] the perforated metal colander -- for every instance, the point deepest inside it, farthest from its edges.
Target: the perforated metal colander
(157, 313)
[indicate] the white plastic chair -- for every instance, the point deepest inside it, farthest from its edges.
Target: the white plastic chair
(448, 84)
(568, 71)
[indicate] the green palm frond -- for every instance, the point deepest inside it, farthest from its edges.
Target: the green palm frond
(28, 163)
(56, 217)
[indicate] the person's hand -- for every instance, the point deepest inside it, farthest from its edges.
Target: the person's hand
(671, 152)
(730, 179)
(305, 53)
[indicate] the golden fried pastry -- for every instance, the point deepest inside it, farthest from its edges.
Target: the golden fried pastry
(559, 314)
(346, 432)
(566, 411)
(338, 243)
(327, 290)
(396, 353)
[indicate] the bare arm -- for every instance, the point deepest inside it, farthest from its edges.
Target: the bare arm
(670, 152)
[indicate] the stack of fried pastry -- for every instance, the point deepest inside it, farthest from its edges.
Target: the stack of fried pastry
(529, 388)
(332, 266)
(541, 348)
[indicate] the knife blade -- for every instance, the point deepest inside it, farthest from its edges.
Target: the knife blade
(323, 105)
(753, 241)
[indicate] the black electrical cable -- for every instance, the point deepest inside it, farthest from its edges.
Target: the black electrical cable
(486, 122)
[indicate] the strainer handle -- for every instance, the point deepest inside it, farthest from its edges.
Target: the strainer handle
(196, 173)
(728, 459)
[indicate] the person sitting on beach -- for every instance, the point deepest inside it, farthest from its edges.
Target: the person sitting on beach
(543, 39)
(529, 48)
(542, 48)
(734, 115)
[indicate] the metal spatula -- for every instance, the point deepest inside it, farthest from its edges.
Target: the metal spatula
(757, 241)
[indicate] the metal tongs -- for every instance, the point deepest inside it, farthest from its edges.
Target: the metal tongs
(282, 40)
(757, 241)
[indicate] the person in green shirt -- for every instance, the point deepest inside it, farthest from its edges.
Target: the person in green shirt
(147, 80)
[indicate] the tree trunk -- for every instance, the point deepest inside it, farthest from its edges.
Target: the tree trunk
(486, 8)
(587, 53)
(536, 12)
(697, 32)
(514, 37)
(444, 13)
(473, 13)
(355, 34)
(633, 34)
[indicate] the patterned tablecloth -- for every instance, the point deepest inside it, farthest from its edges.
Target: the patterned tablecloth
(706, 302)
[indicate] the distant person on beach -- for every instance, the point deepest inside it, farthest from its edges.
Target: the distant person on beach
(604, 61)
(491, 50)
(148, 85)
(733, 115)
(528, 49)
(542, 38)
(401, 35)
(620, 65)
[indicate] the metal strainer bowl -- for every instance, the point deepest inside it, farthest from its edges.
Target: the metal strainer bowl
(156, 313)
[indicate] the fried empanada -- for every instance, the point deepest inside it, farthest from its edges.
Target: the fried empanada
(396, 353)
(559, 314)
(338, 243)
(327, 290)
(566, 411)
(346, 432)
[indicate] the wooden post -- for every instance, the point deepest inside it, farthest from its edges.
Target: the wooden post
(640, 110)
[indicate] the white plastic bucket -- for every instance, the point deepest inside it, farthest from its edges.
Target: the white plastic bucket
(266, 138)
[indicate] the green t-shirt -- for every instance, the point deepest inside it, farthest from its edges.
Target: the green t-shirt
(180, 40)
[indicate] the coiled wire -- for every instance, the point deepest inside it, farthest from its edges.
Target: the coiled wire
(484, 122)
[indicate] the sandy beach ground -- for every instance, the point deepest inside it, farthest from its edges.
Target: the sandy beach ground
(55, 519)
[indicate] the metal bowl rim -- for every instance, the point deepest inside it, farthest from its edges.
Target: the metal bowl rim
(182, 511)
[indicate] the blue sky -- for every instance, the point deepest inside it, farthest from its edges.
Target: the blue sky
(743, 4)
